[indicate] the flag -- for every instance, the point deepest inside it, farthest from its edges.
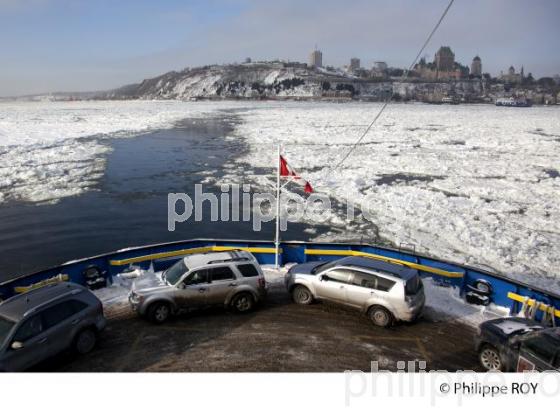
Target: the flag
(287, 171)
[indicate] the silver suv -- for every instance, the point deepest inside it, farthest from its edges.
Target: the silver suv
(384, 291)
(43, 322)
(232, 279)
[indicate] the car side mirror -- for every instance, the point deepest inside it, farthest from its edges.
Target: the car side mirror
(17, 345)
(325, 278)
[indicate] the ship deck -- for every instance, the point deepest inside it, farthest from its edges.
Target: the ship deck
(278, 336)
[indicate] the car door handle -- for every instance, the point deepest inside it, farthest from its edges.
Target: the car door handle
(202, 290)
(341, 286)
(76, 321)
(43, 340)
(233, 284)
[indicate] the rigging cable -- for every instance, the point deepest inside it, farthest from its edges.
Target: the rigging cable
(405, 76)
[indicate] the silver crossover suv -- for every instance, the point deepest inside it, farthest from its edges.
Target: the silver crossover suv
(232, 279)
(384, 291)
(43, 322)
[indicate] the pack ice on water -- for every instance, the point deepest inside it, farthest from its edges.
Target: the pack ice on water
(476, 184)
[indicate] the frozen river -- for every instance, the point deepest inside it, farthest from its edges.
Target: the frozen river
(474, 184)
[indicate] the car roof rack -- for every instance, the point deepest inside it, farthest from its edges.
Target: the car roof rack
(234, 259)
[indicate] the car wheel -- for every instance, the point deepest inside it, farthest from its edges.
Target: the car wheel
(380, 316)
(159, 312)
(301, 295)
(490, 358)
(243, 302)
(85, 341)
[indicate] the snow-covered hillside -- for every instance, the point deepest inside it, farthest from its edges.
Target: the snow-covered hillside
(232, 81)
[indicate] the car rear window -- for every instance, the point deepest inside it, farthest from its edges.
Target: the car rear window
(542, 346)
(58, 313)
(413, 285)
(78, 305)
(384, 284)
(366, 280)
(248, 270)
(221, 273)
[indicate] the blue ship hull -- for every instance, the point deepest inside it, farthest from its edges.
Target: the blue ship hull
(505, 291)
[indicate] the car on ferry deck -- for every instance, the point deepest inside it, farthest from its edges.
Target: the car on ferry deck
(385, 292)
(43, 322)
(232, 279)
(517, 344)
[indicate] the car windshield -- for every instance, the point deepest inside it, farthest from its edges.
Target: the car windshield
(174, 273)
(323, 267)
(5, 328)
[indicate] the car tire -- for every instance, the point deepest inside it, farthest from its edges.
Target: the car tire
(380, 316)
(85, 341)
(159, 312)
(302, 295)
(489, 358)
(243, 302)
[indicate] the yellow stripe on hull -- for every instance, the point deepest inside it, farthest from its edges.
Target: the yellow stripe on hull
(190, 251)
(331, 252)
(531, 302)
(55, 279)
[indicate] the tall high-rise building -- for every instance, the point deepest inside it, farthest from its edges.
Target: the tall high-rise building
(316, 58)
(476, 67)
(354, 64)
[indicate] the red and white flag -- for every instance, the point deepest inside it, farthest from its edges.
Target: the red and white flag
(287, 171)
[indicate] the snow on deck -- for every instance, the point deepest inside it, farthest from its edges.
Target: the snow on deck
(444, 301)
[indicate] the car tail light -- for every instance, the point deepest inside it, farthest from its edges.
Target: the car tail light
(261, 282)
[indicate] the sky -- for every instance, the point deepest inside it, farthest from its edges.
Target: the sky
(86, 45)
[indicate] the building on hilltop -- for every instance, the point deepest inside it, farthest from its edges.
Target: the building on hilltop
(511, 76)
(444, 67)
(316, 58)
(379, 69)
(444, 59)
(476, 67)
(354, 64)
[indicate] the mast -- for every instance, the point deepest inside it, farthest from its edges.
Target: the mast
(277, 237)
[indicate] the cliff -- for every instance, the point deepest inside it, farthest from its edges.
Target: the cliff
(277, 80)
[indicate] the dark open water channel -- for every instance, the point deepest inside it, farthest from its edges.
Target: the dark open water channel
(129, 208)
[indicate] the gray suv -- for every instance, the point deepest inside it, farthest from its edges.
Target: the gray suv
(386, 292)
(43, 322)
(232, 279)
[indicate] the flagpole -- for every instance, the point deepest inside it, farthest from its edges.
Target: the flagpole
(277, 238)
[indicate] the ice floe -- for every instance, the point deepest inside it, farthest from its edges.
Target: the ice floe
(470, 183)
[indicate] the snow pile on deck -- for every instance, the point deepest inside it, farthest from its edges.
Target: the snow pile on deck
(448, 303)
(474, 184)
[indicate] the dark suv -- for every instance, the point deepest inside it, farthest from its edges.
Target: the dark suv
(517, 344)
(43, 322)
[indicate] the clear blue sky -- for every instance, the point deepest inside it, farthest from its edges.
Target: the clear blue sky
(73, 45)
